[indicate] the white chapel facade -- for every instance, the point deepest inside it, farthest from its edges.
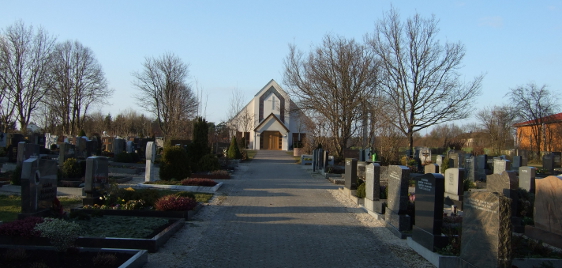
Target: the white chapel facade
(270, 121)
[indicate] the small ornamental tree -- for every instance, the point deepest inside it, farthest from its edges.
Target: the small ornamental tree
(233, 150)
(174, 164)
(200, 145)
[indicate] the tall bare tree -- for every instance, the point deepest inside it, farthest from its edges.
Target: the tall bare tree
(333, 80)
(25, 54)
(164, 91)
(534, 104)
(76, 82)
(497, 123)
(420, 75)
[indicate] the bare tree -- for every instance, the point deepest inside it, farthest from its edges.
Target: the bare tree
(333, 80)
(24, 61)
(165, 92)
(534, 105)
(497, 123)
(76, 82)
(420, 75)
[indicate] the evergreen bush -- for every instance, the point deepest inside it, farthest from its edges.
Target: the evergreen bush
(233, 150)
(174, 164)
(361, 193)
(200, 145)
(62, 234)
(71, 168)
(209, 162)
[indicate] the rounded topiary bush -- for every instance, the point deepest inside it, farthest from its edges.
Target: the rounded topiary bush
(174, 164)
(175, 203)
(71, 168)
(209, 162)
(361, 193)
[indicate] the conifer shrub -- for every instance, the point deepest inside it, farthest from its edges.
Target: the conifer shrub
(174, 164)
(71, 168)
(209, 162)
(361, 193)
(62, 234)
(15, 176)
(233, 150)
(175, 203)
(198, 182)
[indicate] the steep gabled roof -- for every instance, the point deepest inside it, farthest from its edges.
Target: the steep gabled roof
(547, 119)
(269, 118)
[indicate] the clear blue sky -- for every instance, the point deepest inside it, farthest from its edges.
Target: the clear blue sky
(242, 44)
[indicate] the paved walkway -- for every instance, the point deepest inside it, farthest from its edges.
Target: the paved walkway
(274, 213)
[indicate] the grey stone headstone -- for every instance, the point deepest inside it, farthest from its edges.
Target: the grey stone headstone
(38, 185)
(548, 162)
(118, 146)
(130, 147)
(429, 211)
(501, 165)
(97, 178)
(486, 230)
(527, 178)
(351, 173)
(149, 174)
(439, 159)
(548, 208)
(453, 160)
(361, 169)
(398, 183)
(431, 168)
(454, 178)
(481, 167)
(557, 159)
(470, 168)
(373, 181)
(517, 162)
(502, 183)
(21, 152)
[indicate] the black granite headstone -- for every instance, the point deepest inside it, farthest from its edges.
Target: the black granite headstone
(429, 211)
(351, 173)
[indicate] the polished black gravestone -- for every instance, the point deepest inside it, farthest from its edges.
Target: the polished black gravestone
(351, 173)
(486, 230)
(373, 202)
(396, 212)
(429, 211)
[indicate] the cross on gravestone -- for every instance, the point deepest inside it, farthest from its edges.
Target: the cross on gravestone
(501, 165)
(527, 178)
(38, 185)
(351, 173)
(548, 208)
(425, 155)
(486, 230)
(149, 174)
(429, 211)
(97, 179)
(373, 201)
(397, 203)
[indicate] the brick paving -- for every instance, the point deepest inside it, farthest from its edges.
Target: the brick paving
(275, 214)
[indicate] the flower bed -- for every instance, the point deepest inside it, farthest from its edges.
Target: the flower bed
(32, 256)
(160, 237)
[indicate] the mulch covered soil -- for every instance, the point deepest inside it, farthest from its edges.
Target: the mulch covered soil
(46, 258)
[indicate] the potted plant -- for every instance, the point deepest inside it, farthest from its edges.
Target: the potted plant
(298, 149)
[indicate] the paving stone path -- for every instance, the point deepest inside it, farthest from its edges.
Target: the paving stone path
(275, 214)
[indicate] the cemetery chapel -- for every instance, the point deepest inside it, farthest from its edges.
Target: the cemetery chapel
(270, 121)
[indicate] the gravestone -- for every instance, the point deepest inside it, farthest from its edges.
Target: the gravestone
(482, 169)
(507, 184)
(149, 174)
(470, 168)
(38, 186)
(454, 187)
(425, 155)
(431, 168)
(351, 173)
(548, 162)
(361, 169)
(320, 164)
(548, 204)
(397, 203)
(373, 188)
(517, 162)
(314, 159)
(455, 159)
(66, 150)
(26, 151)
(486, 230)
(130, 148)
(97, 179)
(429, 211)
(527, 178)
(439, 161)
(501, 165)
(557, 159)
(325, 162)
(118, 146)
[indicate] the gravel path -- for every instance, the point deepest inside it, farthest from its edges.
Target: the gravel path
(274, 213)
